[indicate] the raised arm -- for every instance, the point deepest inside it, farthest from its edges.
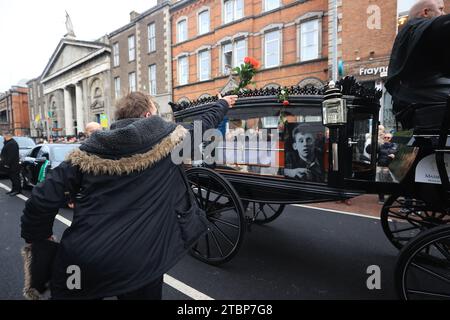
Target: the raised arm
(212, 118)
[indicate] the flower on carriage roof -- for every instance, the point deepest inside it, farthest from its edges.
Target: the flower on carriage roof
(246, 72)
(252, 61)
(283, 97)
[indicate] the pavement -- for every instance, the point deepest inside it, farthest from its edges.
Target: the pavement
(365, 205)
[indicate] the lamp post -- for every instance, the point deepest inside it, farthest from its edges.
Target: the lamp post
(335, 40)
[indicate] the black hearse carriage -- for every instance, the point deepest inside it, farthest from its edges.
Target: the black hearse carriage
(303, 145)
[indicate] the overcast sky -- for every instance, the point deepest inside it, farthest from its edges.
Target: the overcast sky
(405, 5)
(30, 30)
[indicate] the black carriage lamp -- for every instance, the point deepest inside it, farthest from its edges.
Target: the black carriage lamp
(334, 107)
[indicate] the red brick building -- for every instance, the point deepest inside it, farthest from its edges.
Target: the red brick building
(288, 37)
(14, 114)
(366, 34)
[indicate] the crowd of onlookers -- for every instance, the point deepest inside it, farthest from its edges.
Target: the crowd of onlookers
(90, 128)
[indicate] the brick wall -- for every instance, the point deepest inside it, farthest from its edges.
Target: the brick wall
(15, 101)
(361, 46)
(255, 20)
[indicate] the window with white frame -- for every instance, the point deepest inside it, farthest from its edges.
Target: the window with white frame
(152, 79)
(131, 48)
(116, 59)
(31, 93)
(204, 62)
(151, 37)
(203, 22)
(183, 70)
(272, 48)
(233, 10)
(240, 48)
(117, 87)
(227, 58)
(309, 40)
(182, 31)
(132, 81)
(233, 55)
(271, 4)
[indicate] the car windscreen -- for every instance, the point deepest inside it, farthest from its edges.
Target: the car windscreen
(24, 142)
(59, 153)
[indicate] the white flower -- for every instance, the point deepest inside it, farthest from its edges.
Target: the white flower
(283, 92)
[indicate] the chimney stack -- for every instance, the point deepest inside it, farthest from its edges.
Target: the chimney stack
(133, 15)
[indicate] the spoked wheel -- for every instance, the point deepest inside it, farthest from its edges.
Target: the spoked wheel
(263, 213)
(224, 211)
(404, 218)
(423, 266)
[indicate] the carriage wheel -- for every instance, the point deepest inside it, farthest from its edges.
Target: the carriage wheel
(224, 211)
(263, 213)
(423, 266)
(402, 219)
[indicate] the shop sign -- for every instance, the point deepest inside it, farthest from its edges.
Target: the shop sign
(381, 71)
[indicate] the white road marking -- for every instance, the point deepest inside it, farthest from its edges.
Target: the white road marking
(336, 211)
(22, 197)
(174, 283)
(184, 288)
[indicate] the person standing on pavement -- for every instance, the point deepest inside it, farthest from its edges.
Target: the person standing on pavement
(9, 159)
(134, 217)
(386, 155)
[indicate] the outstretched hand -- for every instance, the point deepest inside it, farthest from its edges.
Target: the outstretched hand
(231, 100)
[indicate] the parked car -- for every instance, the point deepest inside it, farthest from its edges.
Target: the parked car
(25, 145)
(32, 163)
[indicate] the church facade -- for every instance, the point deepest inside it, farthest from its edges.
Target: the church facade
(73, 90)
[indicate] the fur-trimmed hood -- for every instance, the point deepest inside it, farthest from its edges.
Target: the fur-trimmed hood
(132, 145)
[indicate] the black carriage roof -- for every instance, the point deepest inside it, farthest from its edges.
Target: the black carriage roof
(307, 96)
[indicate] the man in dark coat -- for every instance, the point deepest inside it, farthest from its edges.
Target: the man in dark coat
(386, 154)
(134, 217)
(387, 150)
(9, 159)
(419, 70)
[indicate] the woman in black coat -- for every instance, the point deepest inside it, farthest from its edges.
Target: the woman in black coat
(134, 217)
(10, 160)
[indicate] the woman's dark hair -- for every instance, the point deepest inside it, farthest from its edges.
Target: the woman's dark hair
(133, 105)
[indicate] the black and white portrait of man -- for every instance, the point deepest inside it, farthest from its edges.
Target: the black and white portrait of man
(304, 152)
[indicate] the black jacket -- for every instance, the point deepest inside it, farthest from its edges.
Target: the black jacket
(419, 71)
(384, 151)
(420, 54)
(133, 217)
(10, 155)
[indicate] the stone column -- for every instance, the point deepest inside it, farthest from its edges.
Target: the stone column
(79, 106)
(68, 116)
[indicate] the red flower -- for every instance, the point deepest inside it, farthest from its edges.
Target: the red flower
(285, 103)
(252, 61)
